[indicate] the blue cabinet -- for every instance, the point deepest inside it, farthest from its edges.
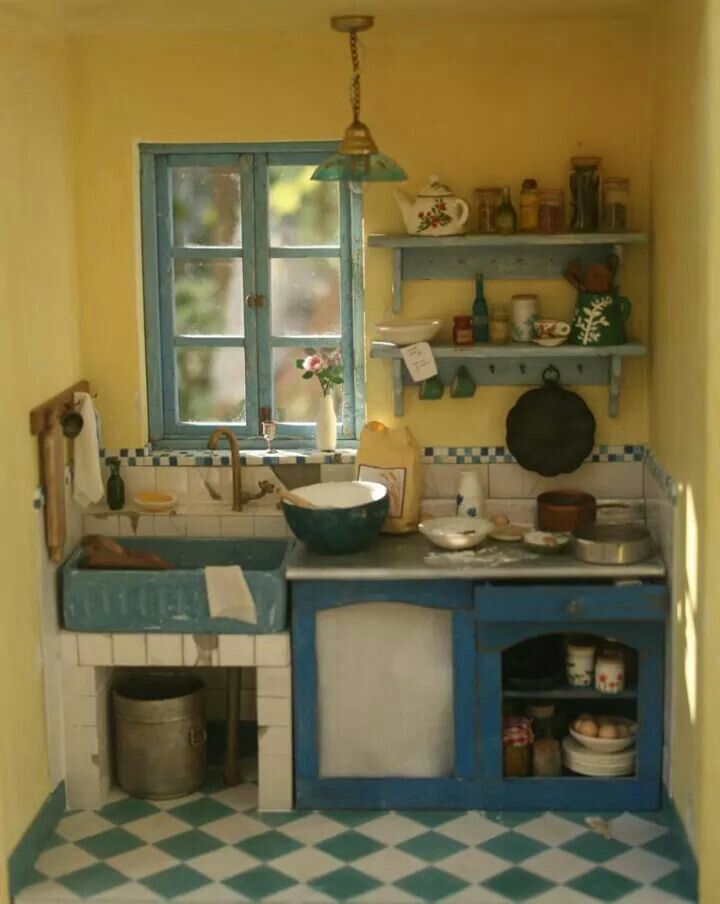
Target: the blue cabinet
(400, 689)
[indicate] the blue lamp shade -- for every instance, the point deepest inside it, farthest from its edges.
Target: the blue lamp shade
(359, 168)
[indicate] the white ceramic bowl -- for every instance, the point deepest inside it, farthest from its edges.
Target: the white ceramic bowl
(607, 745)
(340, 494)
(405, 332)
(156, 502)
(456, 532)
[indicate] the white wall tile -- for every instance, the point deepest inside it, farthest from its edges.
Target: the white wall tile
(203, 526)
(442, 481)
(200, 482)
(272, 649)
(274, 681)
(137, 525)
(69, 647)
(129, 649)
(236, 649)
(275, 740)
(170, 525)
(80, 711)
(251, 478)
(271, 525)
(172, 480)
(274, 711)
(517, 511)
(275, 783)
(85, 679)
(164, 649)
(94, 649)
(102, 525)
(602, 479)
(201, 650)
(137, 480)
(237, 524)
(330, 473)
(437, 508)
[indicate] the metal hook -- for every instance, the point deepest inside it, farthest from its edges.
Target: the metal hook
(492, 368)
(522, 369)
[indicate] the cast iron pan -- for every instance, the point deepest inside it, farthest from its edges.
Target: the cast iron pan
(550, 430)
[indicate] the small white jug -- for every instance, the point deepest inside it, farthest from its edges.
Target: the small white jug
(470, 496)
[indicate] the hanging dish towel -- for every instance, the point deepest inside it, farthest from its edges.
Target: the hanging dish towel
(228, 593)
(88, 484)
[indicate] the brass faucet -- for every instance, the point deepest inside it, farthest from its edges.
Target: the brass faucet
(239, 496)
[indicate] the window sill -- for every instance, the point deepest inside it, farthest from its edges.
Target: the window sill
(169, 455)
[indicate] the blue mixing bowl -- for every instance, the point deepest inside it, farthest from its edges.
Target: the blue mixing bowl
(346, 517)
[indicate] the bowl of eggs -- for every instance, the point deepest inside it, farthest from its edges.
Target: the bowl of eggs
(604, 734)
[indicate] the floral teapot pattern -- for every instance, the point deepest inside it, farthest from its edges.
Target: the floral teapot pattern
(435, 211)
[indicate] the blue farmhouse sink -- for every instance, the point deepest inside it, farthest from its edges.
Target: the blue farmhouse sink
(175, 601)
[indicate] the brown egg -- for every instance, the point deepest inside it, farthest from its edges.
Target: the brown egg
(577, 725)
(589, 728)
(500, 520)
(608, 731)
(622, 731)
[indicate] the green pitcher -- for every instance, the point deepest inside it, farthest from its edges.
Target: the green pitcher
(600, 319)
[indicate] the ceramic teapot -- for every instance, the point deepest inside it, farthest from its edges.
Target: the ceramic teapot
(435, 211)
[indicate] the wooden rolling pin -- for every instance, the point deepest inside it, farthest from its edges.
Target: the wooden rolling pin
(294, 499)
(52, 445)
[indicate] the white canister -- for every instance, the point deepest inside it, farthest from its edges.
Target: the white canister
(610, 672)
(524, 314)
(580, 662)
(470, 496)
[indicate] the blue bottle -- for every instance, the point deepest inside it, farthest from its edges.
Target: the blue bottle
(480, 313)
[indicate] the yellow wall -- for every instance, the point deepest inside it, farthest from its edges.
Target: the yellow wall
(39, 356)
(685, 393)
(478, 105)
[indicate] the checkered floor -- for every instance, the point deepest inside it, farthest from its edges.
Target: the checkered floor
(215, 847)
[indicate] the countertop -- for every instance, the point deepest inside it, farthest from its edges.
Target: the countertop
(395, 558)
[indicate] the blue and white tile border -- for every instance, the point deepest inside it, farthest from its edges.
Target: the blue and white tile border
(667, 483)
(461, 455)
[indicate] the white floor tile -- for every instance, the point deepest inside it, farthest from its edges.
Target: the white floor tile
(557, 866)
(63, 859)
(313, 828)
(157, 827)
(80, 825)
(564, 896)
(652, 896)
(46, 892)
(123, 894)
(471, 828)
(634, 830)
(551, 829)
(473, 865)
(223, 863)
(231, 829)
(142, 862)
(388, 894)
(213, 894)
(392, 829)
(389, 865)
(241, 797)
(307, 863)
(642, 866)
(472, 895)
(298, 894)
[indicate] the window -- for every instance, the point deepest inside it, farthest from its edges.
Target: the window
(248, 264)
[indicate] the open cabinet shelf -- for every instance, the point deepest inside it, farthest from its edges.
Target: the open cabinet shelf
(570, 693)
(518, 364)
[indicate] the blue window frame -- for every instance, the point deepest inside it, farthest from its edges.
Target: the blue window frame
(234, 291)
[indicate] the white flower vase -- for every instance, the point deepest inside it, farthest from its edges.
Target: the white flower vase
(326, 426)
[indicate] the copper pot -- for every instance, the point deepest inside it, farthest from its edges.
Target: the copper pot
(564, 510)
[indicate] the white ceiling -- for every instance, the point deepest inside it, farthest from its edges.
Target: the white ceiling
(78, 16)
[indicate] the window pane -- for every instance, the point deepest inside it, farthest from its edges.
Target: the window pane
(209, 297)
(297, 400)
(305, 295)
(211, 384)
(302, 212)
(206, 205)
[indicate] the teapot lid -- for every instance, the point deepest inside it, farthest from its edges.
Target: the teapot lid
(435, 189)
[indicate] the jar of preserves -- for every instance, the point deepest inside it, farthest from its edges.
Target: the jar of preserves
(616, 197)
(546, 759)
(551, 210)
(529, 206)
(463, 329)
(517, 746)
(486, 203)
(499, 324)
(585, 189)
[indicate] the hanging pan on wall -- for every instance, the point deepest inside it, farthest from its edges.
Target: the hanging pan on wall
(550, 430)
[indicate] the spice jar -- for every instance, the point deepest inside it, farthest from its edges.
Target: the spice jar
(585, 188)
(517, 746)
(529, 206)
(486, 203)
(499, 324)
(616, 197)
(551, 205)
(543, 720)
(462, 329)
(580, 664)
(546, 759)
(610, 672)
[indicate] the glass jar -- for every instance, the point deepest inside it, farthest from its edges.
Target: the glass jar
(529, 206)
(546, 759)
(506, 219)
(585, 191)
(551, 210)
(543, 720)
(486, 202)
(517, 746)
(616, 198)
(499, 324)
(463, 329)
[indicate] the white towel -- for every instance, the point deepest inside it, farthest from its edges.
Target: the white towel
(228, 593)
(88, 484)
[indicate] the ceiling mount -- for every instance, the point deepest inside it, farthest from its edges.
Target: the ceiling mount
(350, 24)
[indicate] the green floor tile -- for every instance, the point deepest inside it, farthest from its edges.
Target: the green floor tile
(604, 885)
(189, 844)
(682, 883)
(349, 846)
(432, 818)
(513, 847)
(92, 880)
(666, 845)
(178, 880)
(432, 884)
(268, 845)
(353, 818)
(201, 811)
(260, 882)
(109, 844)
(344, 884)
(431, 847)
(594, 847)
(512, 818)
(518, 884)
(127, 810)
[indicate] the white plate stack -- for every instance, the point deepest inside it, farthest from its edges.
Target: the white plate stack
(597, 763)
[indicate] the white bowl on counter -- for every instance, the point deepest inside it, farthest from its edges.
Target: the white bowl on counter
(456, 532)
(406, 332)
(155, 502)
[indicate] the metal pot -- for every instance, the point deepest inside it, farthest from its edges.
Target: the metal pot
(612, 544)
(564, 510)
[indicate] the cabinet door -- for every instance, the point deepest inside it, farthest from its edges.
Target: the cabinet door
(383, 683)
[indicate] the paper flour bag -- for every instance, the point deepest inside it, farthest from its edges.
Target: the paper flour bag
(392, 458)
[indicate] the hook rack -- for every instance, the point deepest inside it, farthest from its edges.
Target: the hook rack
(62, 402)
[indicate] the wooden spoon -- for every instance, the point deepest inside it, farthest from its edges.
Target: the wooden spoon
(295, 499)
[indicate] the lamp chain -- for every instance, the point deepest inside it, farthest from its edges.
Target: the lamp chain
(355, 83)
